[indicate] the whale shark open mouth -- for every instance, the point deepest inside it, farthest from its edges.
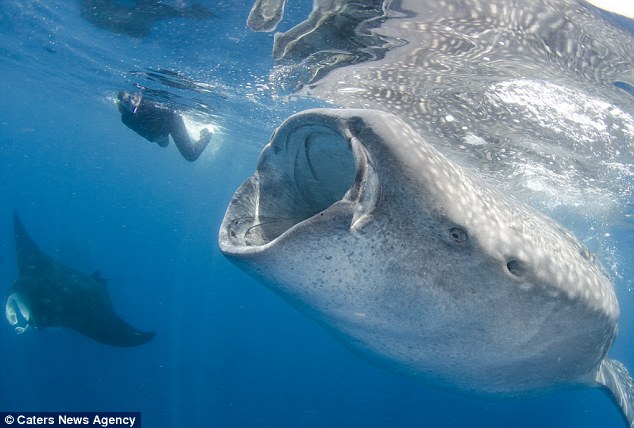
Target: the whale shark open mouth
(306, 168)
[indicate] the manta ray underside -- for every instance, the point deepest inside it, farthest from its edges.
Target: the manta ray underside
(49, 294)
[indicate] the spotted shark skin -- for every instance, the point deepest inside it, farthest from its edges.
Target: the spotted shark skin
(535, 94)
(265, 15)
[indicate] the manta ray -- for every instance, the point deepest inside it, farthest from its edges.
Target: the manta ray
(49, 294)
(418, 265)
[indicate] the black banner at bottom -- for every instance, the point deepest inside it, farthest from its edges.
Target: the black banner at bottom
(66, 419)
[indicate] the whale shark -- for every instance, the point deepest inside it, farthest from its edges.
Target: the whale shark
(534, 94)
(49, 294)
(416, 264)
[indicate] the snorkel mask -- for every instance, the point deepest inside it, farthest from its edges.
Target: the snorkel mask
(130, 101)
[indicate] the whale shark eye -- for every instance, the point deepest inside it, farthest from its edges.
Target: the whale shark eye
(458, 234)
(515, 267)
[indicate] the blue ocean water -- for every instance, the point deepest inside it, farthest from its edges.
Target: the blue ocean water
(94, 195)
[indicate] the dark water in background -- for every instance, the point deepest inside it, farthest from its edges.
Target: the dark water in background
(94, 195)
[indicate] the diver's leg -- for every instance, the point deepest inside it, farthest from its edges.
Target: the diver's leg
(190, 151)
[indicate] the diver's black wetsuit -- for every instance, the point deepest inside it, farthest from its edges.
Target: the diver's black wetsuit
(156, 122)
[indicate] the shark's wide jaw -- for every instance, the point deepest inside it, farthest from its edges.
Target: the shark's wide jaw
(302, 173)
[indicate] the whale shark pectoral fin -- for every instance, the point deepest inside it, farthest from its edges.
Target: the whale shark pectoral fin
(613, 376)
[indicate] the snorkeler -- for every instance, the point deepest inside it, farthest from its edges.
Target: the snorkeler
(156, 122)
